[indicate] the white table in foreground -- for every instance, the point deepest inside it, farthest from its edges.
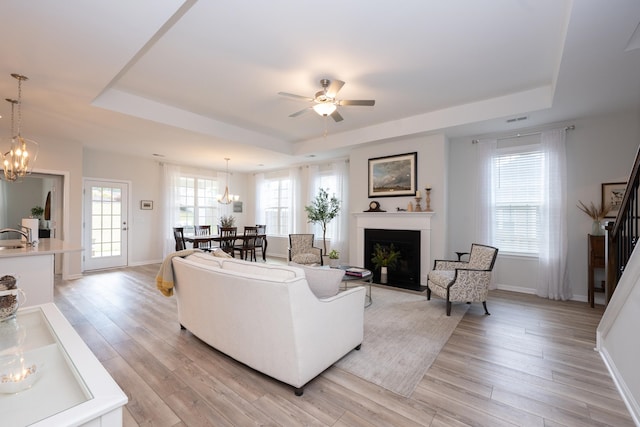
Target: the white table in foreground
(73, 388)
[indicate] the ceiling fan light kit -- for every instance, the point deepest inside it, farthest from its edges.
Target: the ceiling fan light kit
(325, 102)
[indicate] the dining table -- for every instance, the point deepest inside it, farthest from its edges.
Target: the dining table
(204, 238)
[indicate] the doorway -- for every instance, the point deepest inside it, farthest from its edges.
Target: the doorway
(105, 227)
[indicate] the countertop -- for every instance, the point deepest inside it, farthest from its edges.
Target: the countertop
(44, 247)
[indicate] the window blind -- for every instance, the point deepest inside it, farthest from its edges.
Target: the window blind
(517, 191)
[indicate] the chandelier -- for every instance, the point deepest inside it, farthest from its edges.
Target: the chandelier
(227, 198)
(19, 160)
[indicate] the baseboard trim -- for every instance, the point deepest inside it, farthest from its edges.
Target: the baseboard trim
(625, 393)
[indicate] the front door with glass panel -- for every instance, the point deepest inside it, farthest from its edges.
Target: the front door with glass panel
(105, 224)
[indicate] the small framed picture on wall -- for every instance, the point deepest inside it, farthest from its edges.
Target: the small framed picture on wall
(612, 195)
(146, 205)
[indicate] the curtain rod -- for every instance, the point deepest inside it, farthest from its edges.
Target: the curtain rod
(518, 135)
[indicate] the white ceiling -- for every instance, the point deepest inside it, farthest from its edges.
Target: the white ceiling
(198, 81)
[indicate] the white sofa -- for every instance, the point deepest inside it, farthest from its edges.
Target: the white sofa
(266, 317)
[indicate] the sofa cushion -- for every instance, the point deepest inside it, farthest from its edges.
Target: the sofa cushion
(305, 258)
(260, 270)
(324, 282)
(205, 259)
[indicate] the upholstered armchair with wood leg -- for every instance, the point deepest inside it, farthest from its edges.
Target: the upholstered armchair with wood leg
(302, 251)
(464, 281)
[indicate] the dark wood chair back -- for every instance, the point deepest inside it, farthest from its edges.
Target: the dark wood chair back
(227, 238)
(178, 234)
(202, 230)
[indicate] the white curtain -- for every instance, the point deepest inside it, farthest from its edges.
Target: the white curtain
(339, 232)
(553, 280)
(260, 202)
(485, 152)
(171, 209)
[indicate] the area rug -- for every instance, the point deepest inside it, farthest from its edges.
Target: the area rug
(403, 334)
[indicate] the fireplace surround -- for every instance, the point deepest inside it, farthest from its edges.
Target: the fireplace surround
(413, 221)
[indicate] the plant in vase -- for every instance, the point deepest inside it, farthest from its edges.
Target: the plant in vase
(384, 258)
(334, 257)
(321, 211)
(37, 212)
(227, 221)
(596, 213)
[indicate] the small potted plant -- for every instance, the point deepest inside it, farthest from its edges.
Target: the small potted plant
(384, 258)
(334, 257)
(37, 212)
(227, 221)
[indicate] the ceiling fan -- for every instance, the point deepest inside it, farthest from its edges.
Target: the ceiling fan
(325, 102)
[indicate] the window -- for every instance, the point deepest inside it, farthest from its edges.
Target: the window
(517, 177)
(197, 201)
(276, 201)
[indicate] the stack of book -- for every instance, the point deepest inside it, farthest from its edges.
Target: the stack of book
(357, 272)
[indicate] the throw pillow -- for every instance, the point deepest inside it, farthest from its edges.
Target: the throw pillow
(217, 252)
(324, 282)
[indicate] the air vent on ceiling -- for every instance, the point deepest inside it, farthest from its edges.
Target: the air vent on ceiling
(517, 119)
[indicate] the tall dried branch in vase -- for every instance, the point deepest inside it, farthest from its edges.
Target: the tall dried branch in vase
(596, 213)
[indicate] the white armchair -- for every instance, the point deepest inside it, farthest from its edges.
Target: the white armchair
(463, 281)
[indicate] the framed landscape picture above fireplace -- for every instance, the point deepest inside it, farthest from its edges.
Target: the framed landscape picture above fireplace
(392, 176)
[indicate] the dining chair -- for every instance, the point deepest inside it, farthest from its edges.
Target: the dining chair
(261, 239)
(202, 230)
(228, 239)
(178, 234)
(248, 245)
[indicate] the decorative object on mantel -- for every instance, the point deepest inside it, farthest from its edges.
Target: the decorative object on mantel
(374, 207)
(596, 213)
(428, 191)
(227, 198)
(418, 198)
(393, 176)
(22, 154)
(321, 211)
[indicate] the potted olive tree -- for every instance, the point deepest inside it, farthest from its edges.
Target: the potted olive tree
(384, 258)
(323, 210)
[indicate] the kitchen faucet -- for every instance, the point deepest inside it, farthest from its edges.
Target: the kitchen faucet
(26, 234)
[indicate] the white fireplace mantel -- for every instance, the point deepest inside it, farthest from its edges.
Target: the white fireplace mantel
(420, 221)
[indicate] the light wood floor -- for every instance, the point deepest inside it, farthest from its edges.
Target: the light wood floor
(531, 363)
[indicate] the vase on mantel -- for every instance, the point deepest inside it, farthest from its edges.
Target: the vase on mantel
(596, 228)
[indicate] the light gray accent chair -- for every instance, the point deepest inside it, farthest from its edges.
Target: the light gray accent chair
(302, 251)
(463, 281)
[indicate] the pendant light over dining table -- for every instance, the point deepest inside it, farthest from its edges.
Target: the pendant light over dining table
(22, 154)
(227, 197)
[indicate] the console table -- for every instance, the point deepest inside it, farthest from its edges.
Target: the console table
(596, 260)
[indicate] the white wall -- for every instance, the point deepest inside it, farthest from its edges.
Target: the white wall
(600, 149)
(145, 176)
(433, 153)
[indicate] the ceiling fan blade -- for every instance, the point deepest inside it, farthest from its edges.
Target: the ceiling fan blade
(364, 102)
(292, 95)
(336, 116)
(334, 88)
(298, 113)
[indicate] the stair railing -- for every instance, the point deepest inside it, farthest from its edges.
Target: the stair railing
(623, 234)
